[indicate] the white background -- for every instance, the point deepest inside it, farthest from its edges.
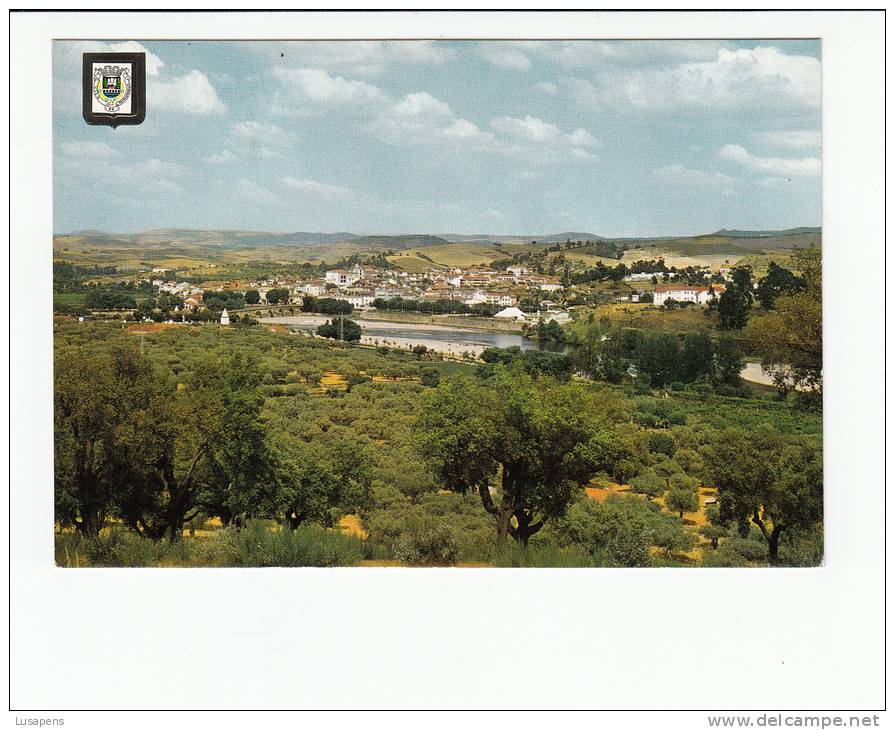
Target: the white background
(806, 640)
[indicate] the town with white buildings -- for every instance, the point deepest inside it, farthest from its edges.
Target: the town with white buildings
(516, 293)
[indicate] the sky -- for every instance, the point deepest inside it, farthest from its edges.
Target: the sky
(614, 138)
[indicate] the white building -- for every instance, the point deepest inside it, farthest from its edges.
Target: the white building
(225, 318)
(313, 288)
(501, 298)
(642, 276)
(513, 313)
(518, 270)
(558, 317)
(359, 299)
(340, 277)
(475, 297)
(550, 287)
(683, 293)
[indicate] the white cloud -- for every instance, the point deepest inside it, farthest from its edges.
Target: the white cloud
(319, 189)
(422, 52)
(581, 138)
(421, 118)
(191, 93)
(583, 91)
(534, 132)
(735, 78)
(259, 132)
(222, 157)
(530, 128)
(505, 55)
(805, 167)
(67, 55)
(88, 149)
(794, 138)
(148, 176)
(314, 84)
(597, 55)
(155, 168)
(680, 175)
(581, 154)
(252, 192)
(363, 58)
(546, 87)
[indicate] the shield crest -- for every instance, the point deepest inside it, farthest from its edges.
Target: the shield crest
(111, 87)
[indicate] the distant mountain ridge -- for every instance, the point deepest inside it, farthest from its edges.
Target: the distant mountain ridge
(801, 231)
(251, 239)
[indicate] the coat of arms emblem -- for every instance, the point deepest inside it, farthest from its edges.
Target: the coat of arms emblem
(111, 86)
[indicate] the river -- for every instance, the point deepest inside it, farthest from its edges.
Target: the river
(451, 340)
(447, 339)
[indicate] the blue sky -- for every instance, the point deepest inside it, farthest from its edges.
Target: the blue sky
(617, 138)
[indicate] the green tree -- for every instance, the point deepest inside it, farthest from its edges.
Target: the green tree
(341, 329)
(741, 284)
(659, 442)
(277, 296)
(96, 394)
(177, 448)
(658, 356)
(691, 463)
(732, 313)
(239, 469)
(430, 377)
(729, 361)
(682, 499)
(789, 338)
(778, 281)
(306, 490)
(649, 484)
(527, 440)
(252, 296)
(697, 356)
(716, 527)
(768, 479)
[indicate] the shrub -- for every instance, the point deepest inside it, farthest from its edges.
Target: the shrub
(661, 443)
(513, 555)
(648, 483)
(428, 543)
(258, 546)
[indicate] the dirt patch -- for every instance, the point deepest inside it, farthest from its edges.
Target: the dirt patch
(597, 493)
(146, 328)
(352, 525)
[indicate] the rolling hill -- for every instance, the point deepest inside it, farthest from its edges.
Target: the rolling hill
(180, 247)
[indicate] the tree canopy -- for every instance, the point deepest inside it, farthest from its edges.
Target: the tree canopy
(523, 445)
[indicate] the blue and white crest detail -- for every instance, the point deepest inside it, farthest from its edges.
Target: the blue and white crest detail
(111, 86)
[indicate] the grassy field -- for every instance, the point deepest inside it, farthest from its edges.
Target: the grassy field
(221, 254)
(646, 316)
(447, 255)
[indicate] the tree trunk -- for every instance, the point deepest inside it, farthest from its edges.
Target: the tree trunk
(526, 527)
(91, 522)
(503, 525)
(772, 536)
(773, 544)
